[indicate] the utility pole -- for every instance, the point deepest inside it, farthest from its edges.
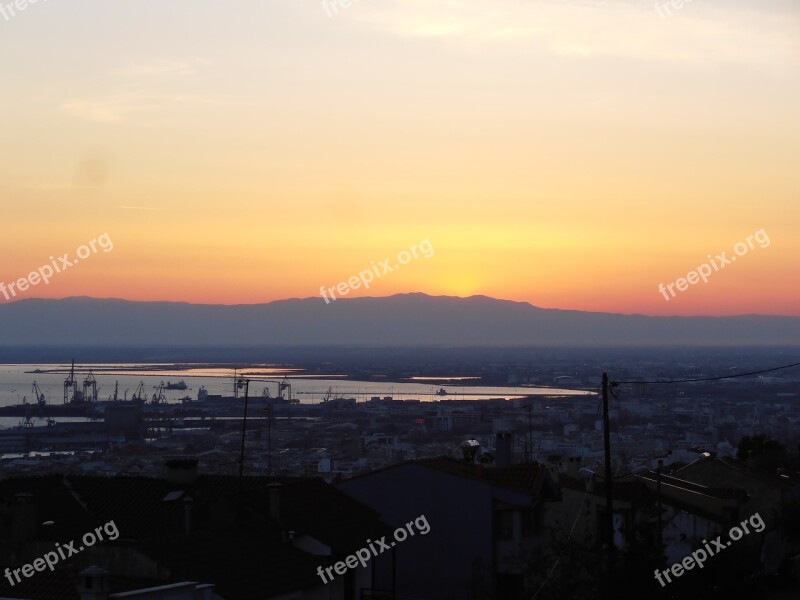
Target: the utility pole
(609, 495)
(530, 433)
(658, 493)
(269, 440)
(246, 384)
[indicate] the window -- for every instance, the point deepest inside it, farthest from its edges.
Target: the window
(533, 521)
(350, 585)
(504, 525)
(510, 586)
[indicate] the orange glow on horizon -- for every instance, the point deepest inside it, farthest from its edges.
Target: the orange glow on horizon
(571, 166)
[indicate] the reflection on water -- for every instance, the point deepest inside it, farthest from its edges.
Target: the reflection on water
(40, 454)
(441, 378)
(16, 384)
(155, 370)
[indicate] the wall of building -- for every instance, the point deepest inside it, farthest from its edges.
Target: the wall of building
(454, 559)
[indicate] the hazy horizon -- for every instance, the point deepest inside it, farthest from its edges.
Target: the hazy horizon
(400, 320)
(401, 294)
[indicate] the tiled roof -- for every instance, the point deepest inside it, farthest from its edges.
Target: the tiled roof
(634, 492)
(63, 584)
(322, 511)
(47, 585)
(243, 562)
(787, 481)
(53, 502)
(528, 477)
(241, 566)
(137, 504)
(720, 493)
(532, 478)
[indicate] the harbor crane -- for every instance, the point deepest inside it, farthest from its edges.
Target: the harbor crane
(90, 388)
(282, 385)
(139, 395)
(39, 395)
(159, 397)
(89, 391)
(71, 387)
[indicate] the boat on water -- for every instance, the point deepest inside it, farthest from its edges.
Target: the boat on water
(181, 385)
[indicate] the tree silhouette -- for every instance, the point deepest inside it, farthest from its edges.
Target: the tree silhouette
(766, 452)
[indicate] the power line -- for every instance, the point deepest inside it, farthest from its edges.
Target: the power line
(572, 529)
(748, 374)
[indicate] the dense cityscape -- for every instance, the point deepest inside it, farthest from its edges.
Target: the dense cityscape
(704, 452)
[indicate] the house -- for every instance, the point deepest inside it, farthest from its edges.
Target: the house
(486, 525)
(658, 521)
(692, 512)
(188, 536)
(771, 494)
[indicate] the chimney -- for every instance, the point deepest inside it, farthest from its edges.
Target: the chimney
(503, 448)
(470, 450)
(94, 584)
(188, 524)
(554, 467)
(181, 471)
(24, 518)
(275, 501)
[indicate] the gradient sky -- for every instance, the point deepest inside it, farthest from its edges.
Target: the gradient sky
(568, 154)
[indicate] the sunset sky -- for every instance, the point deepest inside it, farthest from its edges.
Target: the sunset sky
(571, 154)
